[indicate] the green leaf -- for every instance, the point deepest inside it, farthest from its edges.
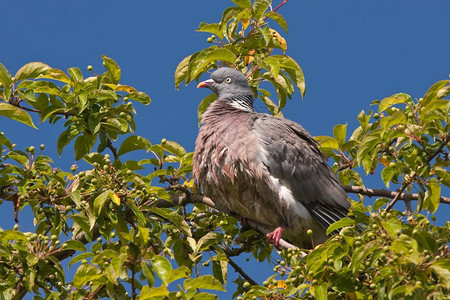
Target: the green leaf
(360, 254)
(15, 113)
(74, 245)
(327, 142)
(339, 133)
(277, 18)
(379, 203)
(83, 145)
(387, 174)
(140, 97)
(243, 3)
(339, 224)
(273, 64)
(140, 217)
(213, 28)
(207, 282)
(259, 7)
(182, 71)
(319, 291)
(5, 76)
(64, 139)
(134, 142)
(75, 74)
(367, 145)
(207, 56)
(100, 201)
(432, 92)
(86, 273)
(432, 195)
(12, 235)
(290, 66)
(55, 74)
(31, 70)
(154, 292)
(442, 269)
(162, 267)
(174, 148)
(181, 272)
(394, 99)
(113, 69)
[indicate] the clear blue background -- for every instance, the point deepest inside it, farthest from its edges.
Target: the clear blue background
(351, 52)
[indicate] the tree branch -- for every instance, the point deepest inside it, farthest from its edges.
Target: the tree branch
(386, 193)
(240, 271)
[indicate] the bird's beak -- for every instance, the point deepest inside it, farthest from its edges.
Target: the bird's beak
(206, 84)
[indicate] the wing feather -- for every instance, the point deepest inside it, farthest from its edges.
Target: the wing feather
(293, 157)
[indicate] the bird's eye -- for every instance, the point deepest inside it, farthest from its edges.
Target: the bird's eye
(228, 80)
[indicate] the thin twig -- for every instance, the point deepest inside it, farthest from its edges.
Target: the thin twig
(240, 271)
(386, 193)
(112, 148)
(394, 200)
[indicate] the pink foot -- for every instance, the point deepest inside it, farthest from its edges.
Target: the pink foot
(275, 236)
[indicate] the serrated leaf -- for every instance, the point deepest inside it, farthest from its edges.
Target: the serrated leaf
(379, 203)
(182, 71)
(31, 70)
(387, 174)
(259, 7)
(162, 267)
(294, 71)
(243, 3)
(75, 74)
(339, 224)
(148, 292)
(442, 269)
(433, 91)
(140, 97)
(134, 142)
(64, 139)
(100, 201)
(55, 74)
(86, 273)
(213, 28)
(181, 272)
(113, 68)
(15, 113)
(394, 99)
(339, 133)
(74, 245)
(207, 282)
(83, 145)
(433, 195)
(174, 148)
(360, 254)
(207, 56)
(277, 18)
(327, 142)
(5, 76)
(319, 291)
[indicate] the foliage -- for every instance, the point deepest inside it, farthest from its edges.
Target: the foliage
(142, 226)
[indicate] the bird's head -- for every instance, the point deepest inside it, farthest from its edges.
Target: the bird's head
(228, 84)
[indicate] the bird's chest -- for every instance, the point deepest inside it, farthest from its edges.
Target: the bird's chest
(225, 164)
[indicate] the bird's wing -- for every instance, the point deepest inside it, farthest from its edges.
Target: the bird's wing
(292, 157)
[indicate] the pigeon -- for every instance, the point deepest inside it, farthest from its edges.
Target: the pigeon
(264, 168)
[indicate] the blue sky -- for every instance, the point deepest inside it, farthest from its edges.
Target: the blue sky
(351, 52)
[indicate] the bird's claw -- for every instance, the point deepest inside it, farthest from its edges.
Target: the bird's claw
(274, 237)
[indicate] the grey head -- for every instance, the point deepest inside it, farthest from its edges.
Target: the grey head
(230, 85)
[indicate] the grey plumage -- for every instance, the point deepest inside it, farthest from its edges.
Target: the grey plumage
(266, 169)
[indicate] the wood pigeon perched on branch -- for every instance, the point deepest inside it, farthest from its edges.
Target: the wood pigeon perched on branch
(264, 168)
